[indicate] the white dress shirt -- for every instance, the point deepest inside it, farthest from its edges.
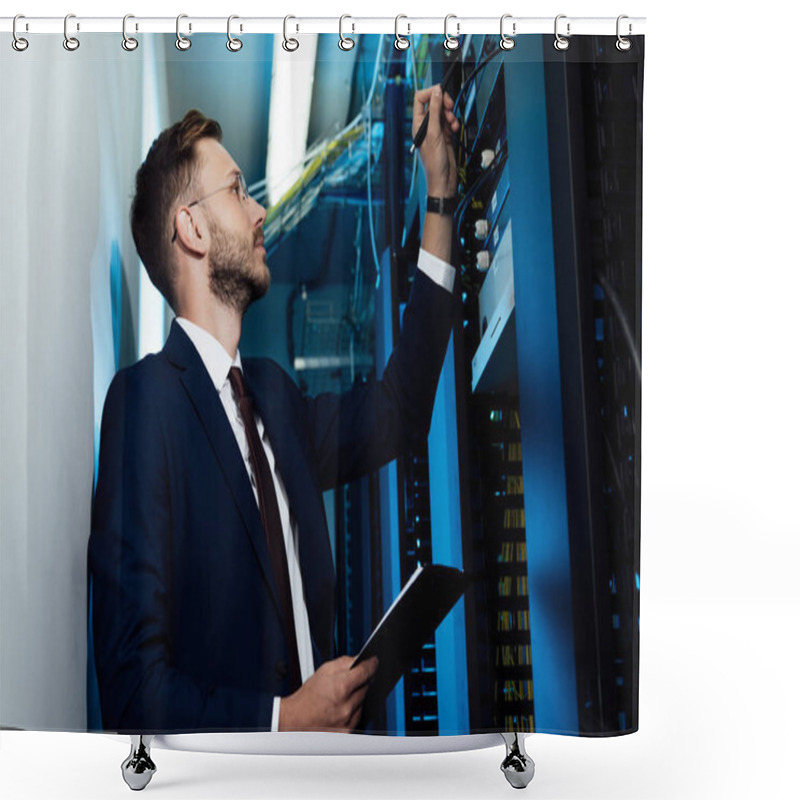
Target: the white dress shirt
(219, 363)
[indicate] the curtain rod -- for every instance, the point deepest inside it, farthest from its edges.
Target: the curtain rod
(404, 25)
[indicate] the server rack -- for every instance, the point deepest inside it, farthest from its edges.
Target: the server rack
(546, 402)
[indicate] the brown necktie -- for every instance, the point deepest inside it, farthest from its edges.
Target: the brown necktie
(270, 518)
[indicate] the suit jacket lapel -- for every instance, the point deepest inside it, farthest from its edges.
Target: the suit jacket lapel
(197, 382)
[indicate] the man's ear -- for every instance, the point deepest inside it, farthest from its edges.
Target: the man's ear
(189, 231)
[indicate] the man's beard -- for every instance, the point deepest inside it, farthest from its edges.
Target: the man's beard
(232, 276)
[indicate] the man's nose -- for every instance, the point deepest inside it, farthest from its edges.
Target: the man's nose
(260, 213)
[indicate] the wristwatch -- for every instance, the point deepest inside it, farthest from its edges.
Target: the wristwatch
(442, 205)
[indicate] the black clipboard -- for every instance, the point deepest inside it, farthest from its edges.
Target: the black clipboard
(417, 611)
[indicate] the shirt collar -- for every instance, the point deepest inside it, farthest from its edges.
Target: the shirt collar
(215, 357)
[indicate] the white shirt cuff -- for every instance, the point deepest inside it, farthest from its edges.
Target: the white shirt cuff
(276, 713)
(437, 270)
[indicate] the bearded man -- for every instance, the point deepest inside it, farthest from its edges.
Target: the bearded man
(212, 575)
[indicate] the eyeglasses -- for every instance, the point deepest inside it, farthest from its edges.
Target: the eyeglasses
(238, 187)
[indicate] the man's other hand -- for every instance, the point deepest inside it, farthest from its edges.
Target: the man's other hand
(331, 699)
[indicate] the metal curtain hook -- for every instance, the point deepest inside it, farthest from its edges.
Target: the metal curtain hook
(128, 42)
(561, 43)
(623, 44)
(18, 43)
(233, 44)
(400, 42)
(506, 42)
(182, 43)
(451, 42)
(345, 42)
(70, 42)
(289, 45)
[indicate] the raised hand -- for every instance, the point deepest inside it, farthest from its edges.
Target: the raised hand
(436, 151)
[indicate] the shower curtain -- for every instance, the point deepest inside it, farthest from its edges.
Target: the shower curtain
(459, 436)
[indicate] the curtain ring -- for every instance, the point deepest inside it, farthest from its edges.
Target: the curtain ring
(233, 44)
(128, 42)
(506, 42)
(18, 43)
(182, 43)
(451, 42)
(70, 42)
(345, 42)
(289, 45)
(400, 42)
(561, 43)
(623, 44)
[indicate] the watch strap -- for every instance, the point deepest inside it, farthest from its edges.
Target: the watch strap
(442, 205)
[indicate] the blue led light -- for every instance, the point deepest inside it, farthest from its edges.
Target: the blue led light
(637, 581)
(598, 329)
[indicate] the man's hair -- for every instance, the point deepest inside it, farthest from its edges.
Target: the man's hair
(165, 179)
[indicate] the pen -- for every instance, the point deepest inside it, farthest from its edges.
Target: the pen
(420, 137)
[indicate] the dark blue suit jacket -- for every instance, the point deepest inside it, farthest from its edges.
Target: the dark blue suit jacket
(187, 630)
